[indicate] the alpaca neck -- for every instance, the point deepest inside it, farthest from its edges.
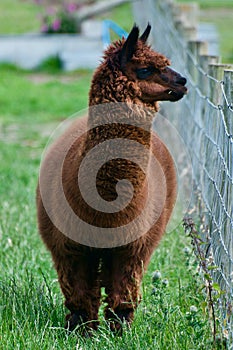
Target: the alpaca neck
(127, 128)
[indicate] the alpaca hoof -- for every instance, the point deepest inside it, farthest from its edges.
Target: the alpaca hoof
(116, 327)
(72, 321)
(79, 320)
(119, 317)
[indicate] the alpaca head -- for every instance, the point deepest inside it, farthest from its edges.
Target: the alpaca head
(150, 69)
(138, 73)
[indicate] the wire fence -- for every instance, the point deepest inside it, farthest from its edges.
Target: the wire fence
(204, 119)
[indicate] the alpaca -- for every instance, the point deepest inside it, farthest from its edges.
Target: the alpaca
(127, 86)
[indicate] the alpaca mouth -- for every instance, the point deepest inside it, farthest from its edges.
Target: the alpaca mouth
(176, 93)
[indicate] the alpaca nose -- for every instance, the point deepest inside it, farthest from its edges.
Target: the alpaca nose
(181, 80)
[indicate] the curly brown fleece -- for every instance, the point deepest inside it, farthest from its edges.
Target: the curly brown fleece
(82, 269)
(110, 82)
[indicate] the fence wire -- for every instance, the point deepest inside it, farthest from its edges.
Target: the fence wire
(204, 119)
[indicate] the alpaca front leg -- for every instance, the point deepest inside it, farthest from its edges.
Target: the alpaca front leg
(120, 308)
(79, 282)
(123, 290)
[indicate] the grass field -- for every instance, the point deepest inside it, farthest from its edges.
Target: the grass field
(219, 13)
(212, 3)
(172, 314)
(223, 20)
(31, 305)
(22, 16)
(18, 16)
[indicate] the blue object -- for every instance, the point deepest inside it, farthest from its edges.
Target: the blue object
(107, 24)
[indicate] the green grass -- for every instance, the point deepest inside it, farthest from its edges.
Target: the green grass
(18, 16)
(212, 3)
(223, 23)
(122, 15)
(219, 13)
(31, 304)
(53, 100)
(22, 16)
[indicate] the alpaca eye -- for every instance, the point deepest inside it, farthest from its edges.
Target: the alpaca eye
(143, 73)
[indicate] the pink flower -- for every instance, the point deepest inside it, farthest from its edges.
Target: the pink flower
(56, 24)
(44, 28)
(71, 7)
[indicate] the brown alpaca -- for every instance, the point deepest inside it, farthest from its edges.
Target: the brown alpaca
(123, 98)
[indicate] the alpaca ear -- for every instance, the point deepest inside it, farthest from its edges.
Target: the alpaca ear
(146, 33)
(129, 46)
